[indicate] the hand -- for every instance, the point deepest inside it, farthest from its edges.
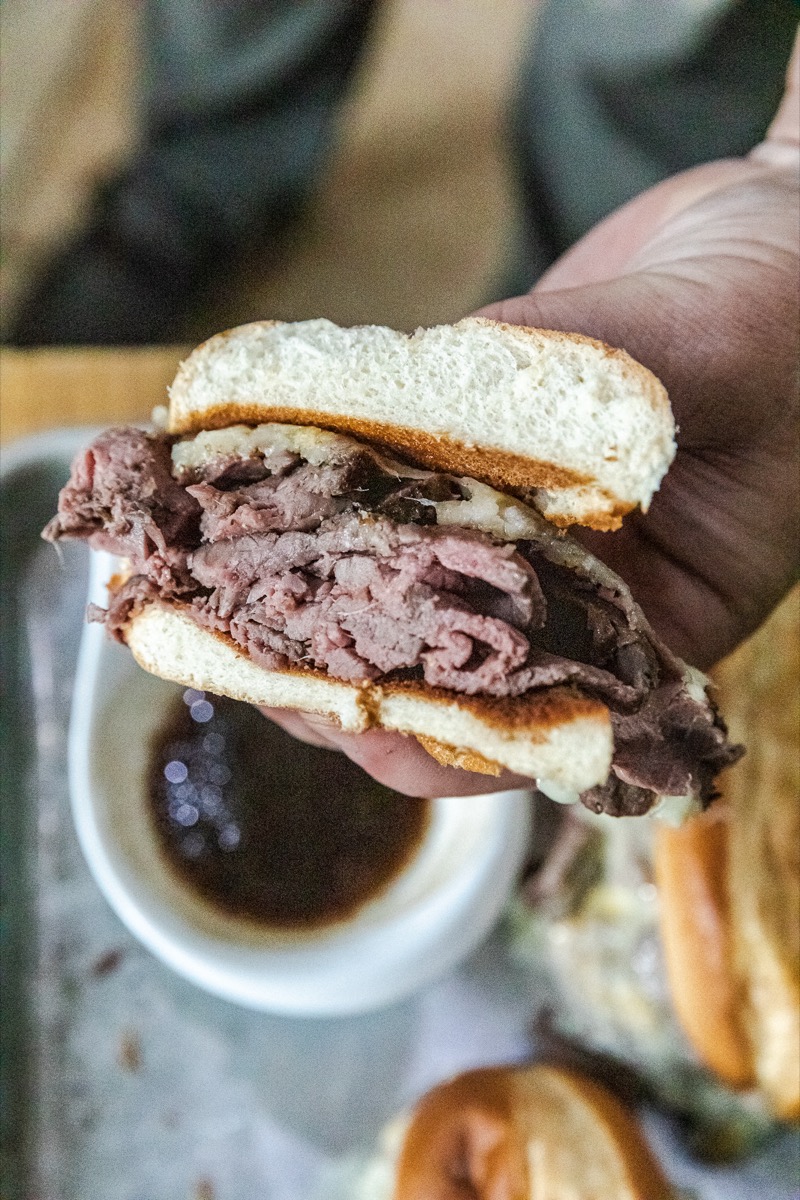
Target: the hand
(696, 278)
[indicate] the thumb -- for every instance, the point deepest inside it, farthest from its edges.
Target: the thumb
(781, 145)
(618, 311)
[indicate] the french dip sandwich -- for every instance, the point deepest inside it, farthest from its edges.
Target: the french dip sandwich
(371, 526)
(729, 882)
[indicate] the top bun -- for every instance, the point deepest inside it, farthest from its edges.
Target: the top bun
(581, 429)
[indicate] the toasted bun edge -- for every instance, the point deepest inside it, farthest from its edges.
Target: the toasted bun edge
(594, 507)
(690, 864)
(555, 734)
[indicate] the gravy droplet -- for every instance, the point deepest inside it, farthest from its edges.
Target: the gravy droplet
(267, 829)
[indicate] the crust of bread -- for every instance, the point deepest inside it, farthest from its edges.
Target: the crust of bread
(758, 687)
(555, 734)
(238, 377)
(454, 756)
(437, 451)
(730, 881)
(499, 468)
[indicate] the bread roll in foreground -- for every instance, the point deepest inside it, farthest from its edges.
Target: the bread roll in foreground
(518, 1133)
(321, 528)
(690, 871)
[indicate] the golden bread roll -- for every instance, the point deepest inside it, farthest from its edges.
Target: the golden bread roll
(525, 1133)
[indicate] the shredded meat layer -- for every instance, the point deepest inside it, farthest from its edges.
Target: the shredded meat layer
(342, 567)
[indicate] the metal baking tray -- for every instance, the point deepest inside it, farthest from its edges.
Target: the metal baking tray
(121, 1081)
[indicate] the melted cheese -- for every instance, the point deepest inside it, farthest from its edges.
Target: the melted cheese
(484, 508)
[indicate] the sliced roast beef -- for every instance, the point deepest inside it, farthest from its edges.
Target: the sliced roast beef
(341, 566)
(672, 744)
(618, 799)
(131, 597)
(298, 501)
(122, 497)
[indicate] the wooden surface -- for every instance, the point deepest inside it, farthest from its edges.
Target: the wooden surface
(44, 389)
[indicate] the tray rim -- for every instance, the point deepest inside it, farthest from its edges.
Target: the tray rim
(61, 444)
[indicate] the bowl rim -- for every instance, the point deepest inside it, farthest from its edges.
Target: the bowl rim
(353, 966)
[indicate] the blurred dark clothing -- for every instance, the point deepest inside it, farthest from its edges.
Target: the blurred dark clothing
(615, 97)
(239, 105)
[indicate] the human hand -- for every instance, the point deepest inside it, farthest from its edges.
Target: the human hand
(697, 279)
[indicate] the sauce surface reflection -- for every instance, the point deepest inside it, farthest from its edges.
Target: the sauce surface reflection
(267, 829)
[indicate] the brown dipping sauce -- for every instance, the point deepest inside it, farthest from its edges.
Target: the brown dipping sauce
(267, 829)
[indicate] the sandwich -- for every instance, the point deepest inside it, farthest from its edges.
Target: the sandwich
(674, 952)
(733, 963)
(522, 1133)
(372, 526)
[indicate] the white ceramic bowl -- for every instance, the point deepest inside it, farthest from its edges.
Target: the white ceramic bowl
(429, 918)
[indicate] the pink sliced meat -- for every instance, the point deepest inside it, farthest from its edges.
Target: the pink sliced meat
(341, 567)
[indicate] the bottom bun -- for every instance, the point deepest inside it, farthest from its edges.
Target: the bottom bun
(525, 1133)
(555, 735)
(452, 756)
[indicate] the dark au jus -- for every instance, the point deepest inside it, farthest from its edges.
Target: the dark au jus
(267, 830)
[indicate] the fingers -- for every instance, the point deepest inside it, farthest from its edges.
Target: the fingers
(394, 759)
(782, 143)
(304, 726)
(399, 762)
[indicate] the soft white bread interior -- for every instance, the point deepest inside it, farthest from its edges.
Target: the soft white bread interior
(557, 736)
(581, 428)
